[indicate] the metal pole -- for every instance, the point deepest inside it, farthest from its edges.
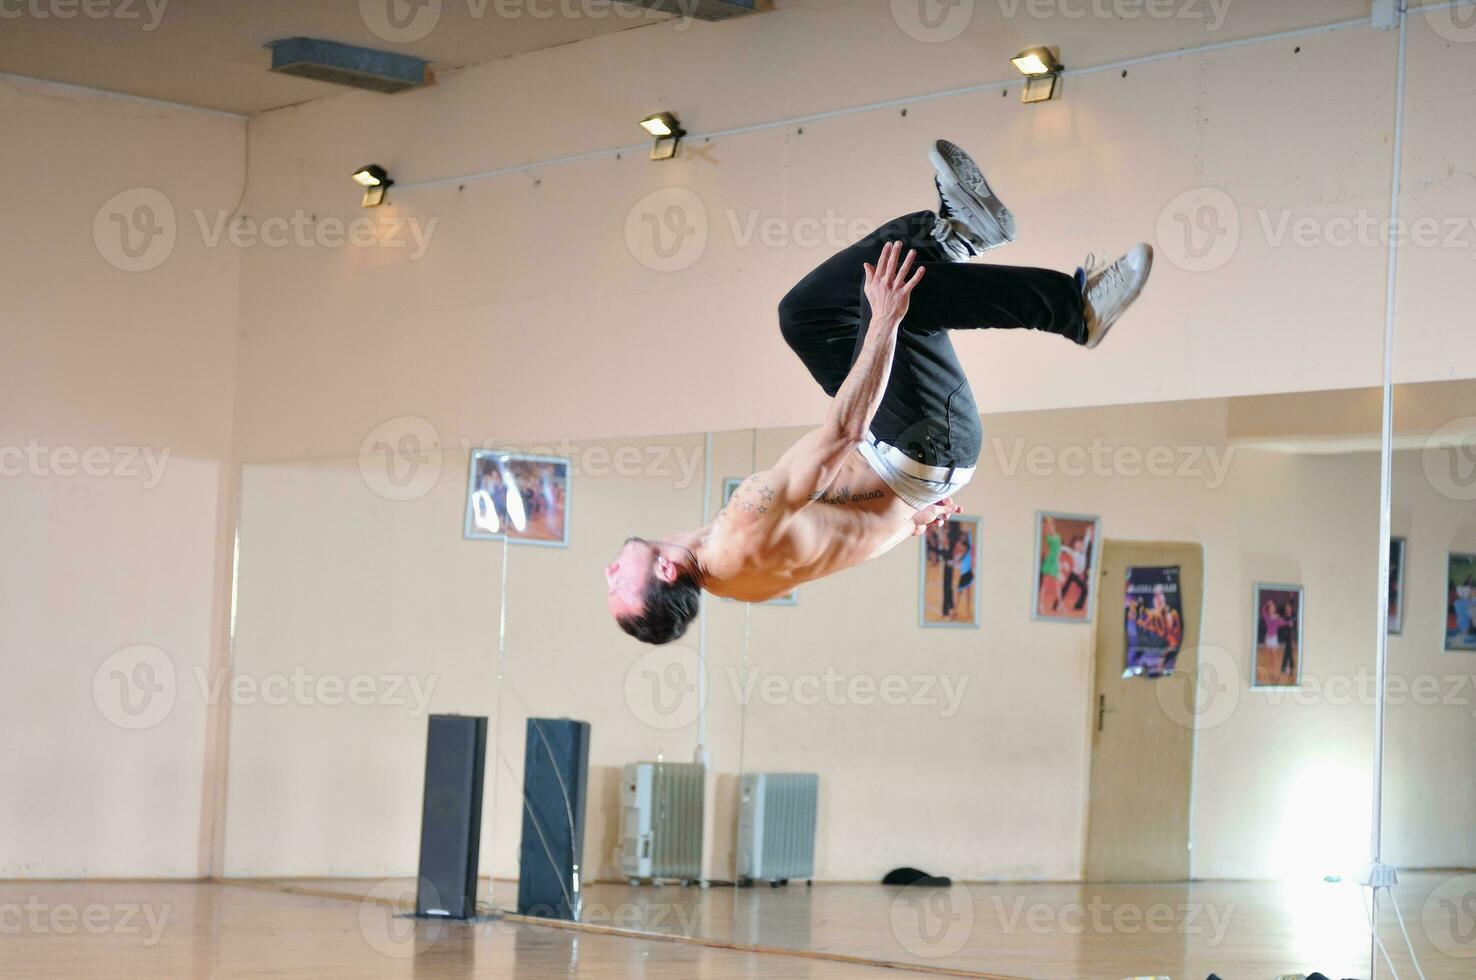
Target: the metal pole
(1376, 878)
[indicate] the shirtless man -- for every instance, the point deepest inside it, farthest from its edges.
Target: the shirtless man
(902, 435)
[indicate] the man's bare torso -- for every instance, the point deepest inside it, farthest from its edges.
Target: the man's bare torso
(761, 549)
(821, 509)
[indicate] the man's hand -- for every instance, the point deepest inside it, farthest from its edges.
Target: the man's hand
(934, 514)
(888, 287)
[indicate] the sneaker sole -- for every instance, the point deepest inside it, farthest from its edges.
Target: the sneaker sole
(958, 170)
(1147, 269)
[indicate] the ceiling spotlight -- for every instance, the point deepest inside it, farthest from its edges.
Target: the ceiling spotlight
(668, 133)
(661, 124)
(375, 182)
(1042, 70)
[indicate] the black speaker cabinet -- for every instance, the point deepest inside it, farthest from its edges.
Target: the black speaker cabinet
(451, 817)
(555, 777)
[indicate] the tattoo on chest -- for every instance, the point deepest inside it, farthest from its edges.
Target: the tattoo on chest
(844, 496)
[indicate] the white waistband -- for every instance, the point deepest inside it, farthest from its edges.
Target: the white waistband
(902, 474)
(904, 463)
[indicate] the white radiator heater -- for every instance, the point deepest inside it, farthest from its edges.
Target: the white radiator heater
(661, 807)
(776, 826)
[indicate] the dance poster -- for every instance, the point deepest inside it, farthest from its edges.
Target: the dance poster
(949, 555)
(1064, 549)
(1460, 603)
(1153, 615)
(1278, 619)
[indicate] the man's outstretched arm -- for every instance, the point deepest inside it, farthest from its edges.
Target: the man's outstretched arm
(811, 464)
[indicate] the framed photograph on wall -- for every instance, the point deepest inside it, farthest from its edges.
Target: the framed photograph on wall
(948, 593)
(1460, 603)
(791, 598)
(1065, 550)
(517, 498)
(1278, 636)
(1396, 586)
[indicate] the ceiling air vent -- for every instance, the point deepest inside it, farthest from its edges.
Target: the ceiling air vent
(346, 64)
(699, 9)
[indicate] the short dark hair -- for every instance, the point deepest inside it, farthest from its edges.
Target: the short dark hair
(668, 609)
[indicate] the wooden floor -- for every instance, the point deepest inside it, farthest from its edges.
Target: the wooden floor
(327, 928)
(166, 931)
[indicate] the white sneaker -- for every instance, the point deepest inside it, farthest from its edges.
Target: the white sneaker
(1111, 290)
(971, 219)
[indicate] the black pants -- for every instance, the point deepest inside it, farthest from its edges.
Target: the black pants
(928, 410)
(1081, 589)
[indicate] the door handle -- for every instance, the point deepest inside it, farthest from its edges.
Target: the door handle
(1101, 710)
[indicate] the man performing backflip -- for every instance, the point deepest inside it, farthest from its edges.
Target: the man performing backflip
(903, 432)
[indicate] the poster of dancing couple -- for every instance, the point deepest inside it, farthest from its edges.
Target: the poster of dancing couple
(950, 553)
(1153, 615)
(1278, 625)
(1064, 549)
(1460, 603)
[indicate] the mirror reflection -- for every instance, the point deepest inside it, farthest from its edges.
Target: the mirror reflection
(1127, 675)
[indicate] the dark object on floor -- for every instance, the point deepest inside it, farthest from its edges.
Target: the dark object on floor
(451, 816)
(1288, 976)
(912, 876)
(555, 787)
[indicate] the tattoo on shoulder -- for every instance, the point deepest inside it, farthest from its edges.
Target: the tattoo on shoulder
(752, 496)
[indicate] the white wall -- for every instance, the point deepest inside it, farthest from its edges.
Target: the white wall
(114, 364)
(535, 267)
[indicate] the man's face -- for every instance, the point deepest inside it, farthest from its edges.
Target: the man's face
(628, 575)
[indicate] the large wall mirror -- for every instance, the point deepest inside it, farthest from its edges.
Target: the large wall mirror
(1138, 656)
